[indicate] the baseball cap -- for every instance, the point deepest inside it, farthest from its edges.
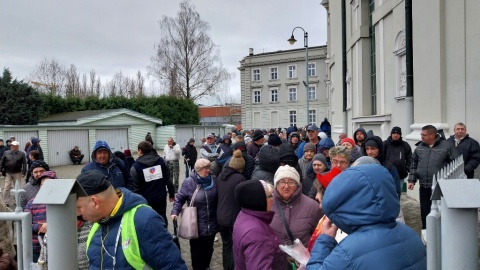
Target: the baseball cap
(312, 127)
(93, 182)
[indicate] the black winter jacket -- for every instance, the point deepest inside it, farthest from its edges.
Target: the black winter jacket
(190, 152)
(427, 161)
(228, 208)
(398, 153)
(470, 149)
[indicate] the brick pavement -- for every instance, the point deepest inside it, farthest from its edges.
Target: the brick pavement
(410, 207)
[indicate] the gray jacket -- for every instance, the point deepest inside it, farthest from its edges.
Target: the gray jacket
(427, 161)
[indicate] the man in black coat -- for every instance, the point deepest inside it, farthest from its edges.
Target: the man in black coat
(190, 154)
(397, 152)
(466, 146)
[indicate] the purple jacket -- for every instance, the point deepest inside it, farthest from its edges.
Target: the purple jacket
(205, 201)
(255, 245)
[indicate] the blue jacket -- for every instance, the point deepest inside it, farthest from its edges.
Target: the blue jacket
(362, 202)
(205, 201)
(115, 169)
(156, 246)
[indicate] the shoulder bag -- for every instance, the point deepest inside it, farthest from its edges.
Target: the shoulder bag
(188, 227)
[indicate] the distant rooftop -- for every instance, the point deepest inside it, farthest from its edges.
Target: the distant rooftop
(74, 116)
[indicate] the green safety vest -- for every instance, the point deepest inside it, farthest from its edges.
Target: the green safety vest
(129, 240)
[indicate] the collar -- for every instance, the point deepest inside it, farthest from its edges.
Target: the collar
(119, 203)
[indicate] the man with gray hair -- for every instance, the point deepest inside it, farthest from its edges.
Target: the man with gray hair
(172, 152)
(468, 147)
(13, 166)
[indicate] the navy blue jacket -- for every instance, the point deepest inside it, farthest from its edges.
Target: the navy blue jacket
(205, 201)
(470, 149)
(115, 169)
(154, 190)
(362, 202)
(156, 246)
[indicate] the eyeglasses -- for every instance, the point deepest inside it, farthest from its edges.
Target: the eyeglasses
(289, 183)
(339, 162)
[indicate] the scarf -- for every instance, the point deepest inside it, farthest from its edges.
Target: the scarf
(207, 182)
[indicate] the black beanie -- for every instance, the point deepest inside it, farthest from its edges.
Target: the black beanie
(39, 163)
(397, 130)
(274, 139)
(251, 195)
(371, 143)
(257, 135)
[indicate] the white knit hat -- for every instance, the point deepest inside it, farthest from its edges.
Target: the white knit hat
(286, 172)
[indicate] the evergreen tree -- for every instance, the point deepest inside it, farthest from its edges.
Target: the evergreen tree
(20, 104)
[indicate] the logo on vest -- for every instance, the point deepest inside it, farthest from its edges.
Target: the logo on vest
(126, 243)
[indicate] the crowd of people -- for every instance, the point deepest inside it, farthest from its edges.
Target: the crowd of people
(258, 189)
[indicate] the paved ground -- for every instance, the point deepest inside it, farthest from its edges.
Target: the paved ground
(411, 210)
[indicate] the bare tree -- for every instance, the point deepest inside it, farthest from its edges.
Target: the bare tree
(72, 81)
(49, 77)
(186, 56)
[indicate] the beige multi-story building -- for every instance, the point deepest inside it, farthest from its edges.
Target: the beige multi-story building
(403, 63)
(273, 90)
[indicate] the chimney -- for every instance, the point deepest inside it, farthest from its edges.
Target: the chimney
(250, 51)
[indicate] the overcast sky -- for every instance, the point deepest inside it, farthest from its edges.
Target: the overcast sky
(118, 35)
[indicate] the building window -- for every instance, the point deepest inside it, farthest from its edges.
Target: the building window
(292, 93)
(256, 75)
(273, 73)
(273, 94)
(373, 68)
(293, 118)
(292, 71)
(257, 96)
(312, 92)
(312, 117)
(312, 69)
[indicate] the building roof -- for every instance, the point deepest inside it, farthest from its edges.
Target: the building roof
(92, 115)
(219, 111)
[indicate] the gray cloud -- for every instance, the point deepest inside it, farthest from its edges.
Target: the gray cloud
(110, 36)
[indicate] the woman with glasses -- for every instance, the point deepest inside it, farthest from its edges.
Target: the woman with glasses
(296, 215)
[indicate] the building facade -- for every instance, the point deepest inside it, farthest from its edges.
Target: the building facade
(403, 63)
(219, 115)
(274, 92)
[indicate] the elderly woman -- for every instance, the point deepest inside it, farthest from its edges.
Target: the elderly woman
(340, 159)
(255, 244)
(201, 248)
(296, 215)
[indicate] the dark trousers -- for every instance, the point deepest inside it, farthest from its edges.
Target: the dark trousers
(77, 160)
(160, 206)
(227, 248)
(425, 204)
(201, 251)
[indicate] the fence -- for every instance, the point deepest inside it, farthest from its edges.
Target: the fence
(452, 225)
(23, 227)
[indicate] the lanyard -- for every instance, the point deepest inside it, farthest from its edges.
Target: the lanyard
(116, 245)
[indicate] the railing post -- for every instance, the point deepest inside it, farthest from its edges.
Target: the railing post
(434, 234)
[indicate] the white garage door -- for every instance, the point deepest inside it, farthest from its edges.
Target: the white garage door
(117, 139)
(21, 136)
(60, 142)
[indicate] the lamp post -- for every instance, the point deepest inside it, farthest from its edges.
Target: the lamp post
(292, 40)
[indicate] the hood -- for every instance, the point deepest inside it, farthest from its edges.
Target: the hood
(379, 142)
(359, 130)
(361, 196)
(129, 201)
(35, 141)
(287, 155)
(268, 158)
(326, 143)
(101, 145)
(148, 159)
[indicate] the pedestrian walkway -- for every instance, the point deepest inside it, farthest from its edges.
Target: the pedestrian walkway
(410, 207)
